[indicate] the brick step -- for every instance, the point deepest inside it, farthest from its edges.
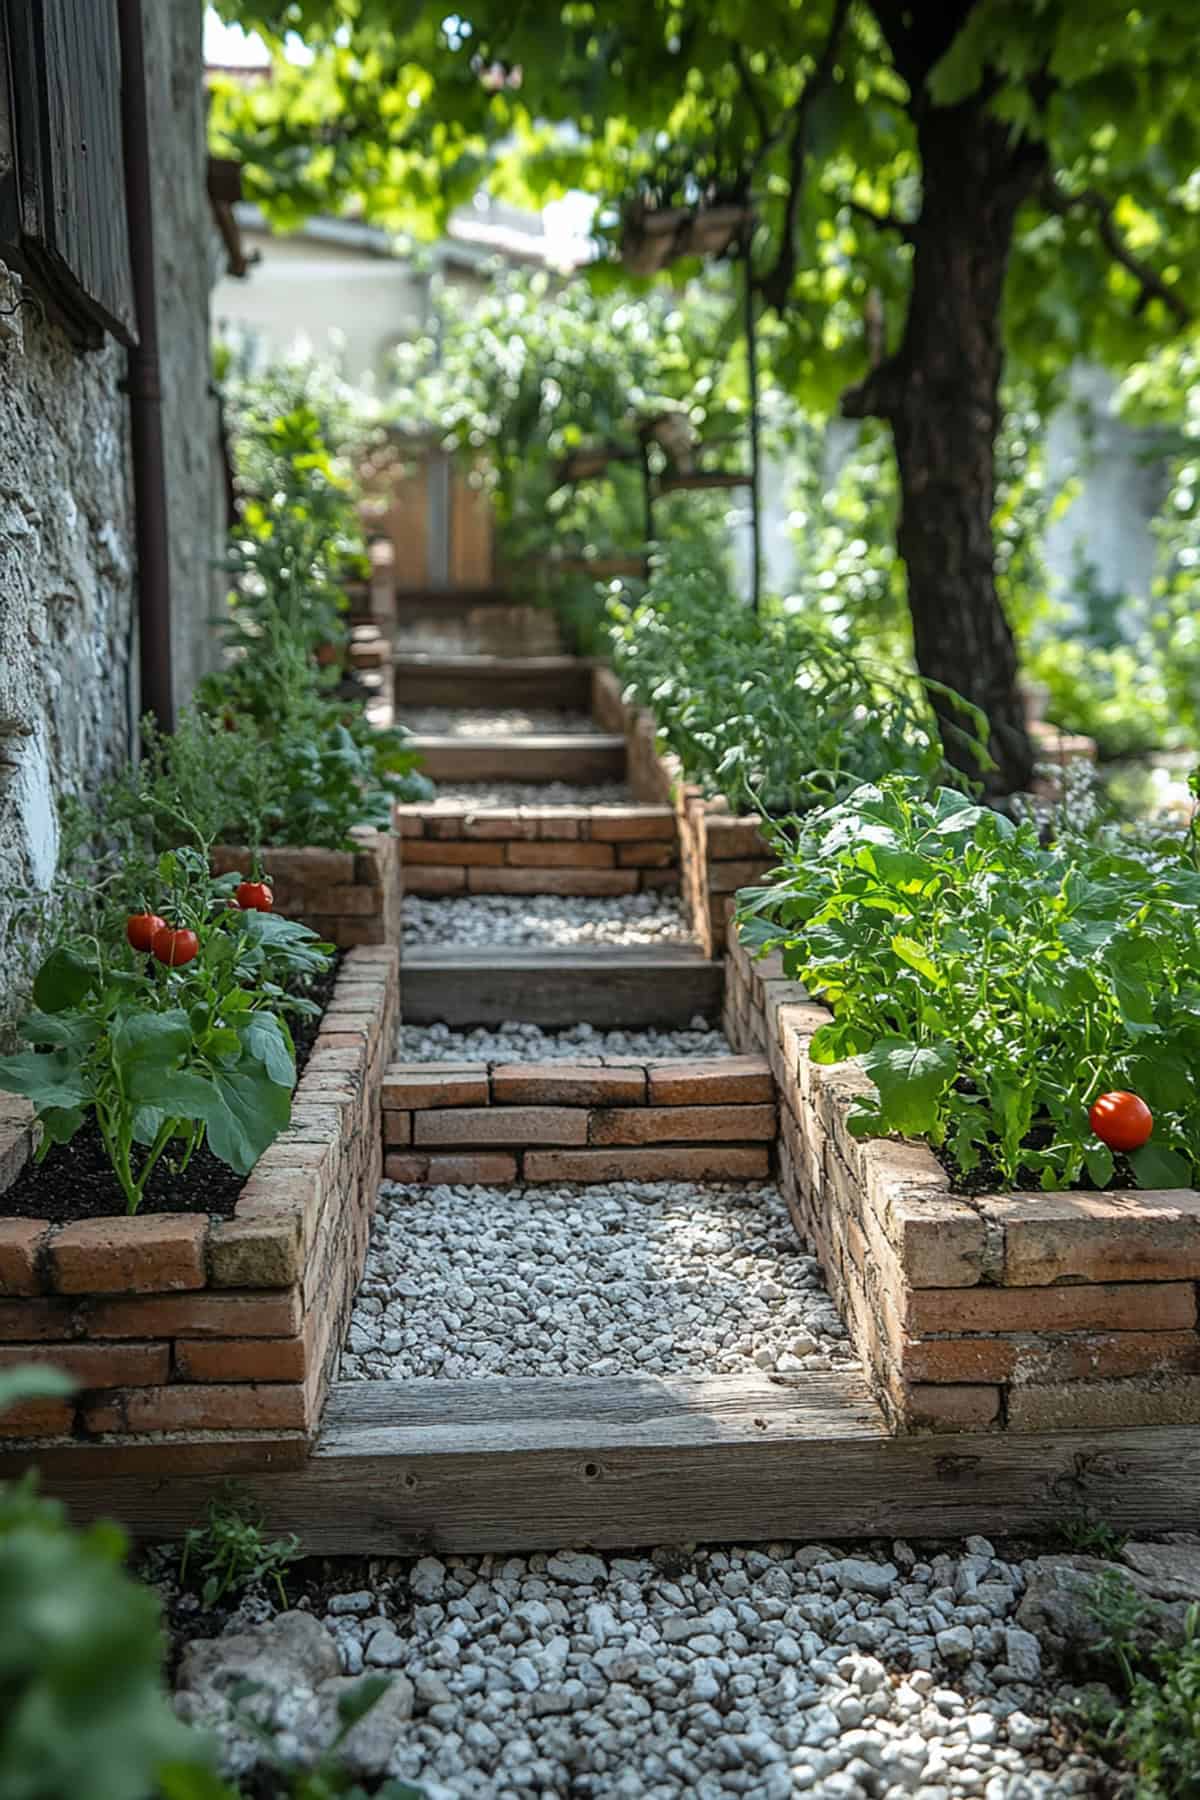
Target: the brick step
(496, 682)
(572, 756)
(452, 848)
(611, 985)
(709, 1119)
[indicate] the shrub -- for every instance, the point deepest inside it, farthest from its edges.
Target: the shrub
(772, 712)
(995, 986)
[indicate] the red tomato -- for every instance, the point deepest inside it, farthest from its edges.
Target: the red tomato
(140, 929)
(175, 947)
(254, 896)
(1121, 1120)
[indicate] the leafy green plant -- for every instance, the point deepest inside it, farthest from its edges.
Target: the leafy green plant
(83, 1706)
(231, 1552)
(1091, 1537)
(994, 986)
(772, 711)
(168, 1051)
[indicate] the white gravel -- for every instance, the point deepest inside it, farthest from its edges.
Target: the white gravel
(766, 1672)
(504, 796)
(626, 1278)
(446, 721)
(512, 1042)
(545, 920)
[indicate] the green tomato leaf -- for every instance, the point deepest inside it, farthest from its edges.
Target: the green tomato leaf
(138, 1036)
(64, 979)
(1155, 1166)
(68, 1030)
(60, 1123)
(252, 1110)
(51, 1079)
(265, 1042)
(911, 1079)
(1099, 1160)
(912, 953)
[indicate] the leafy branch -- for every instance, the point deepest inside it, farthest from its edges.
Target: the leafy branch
(1103, 210)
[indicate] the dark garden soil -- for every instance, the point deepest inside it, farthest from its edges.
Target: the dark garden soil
(987, 1178)
(76, 1180)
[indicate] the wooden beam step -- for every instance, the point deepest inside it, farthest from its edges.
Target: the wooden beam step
(422, 679)
(574, 756)
(466, 1467)
(613, 986)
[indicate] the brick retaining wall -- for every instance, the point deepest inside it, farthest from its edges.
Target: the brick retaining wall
(349, 896)
(581, 850)
(1031, 1312)
(198, 1343)
(719, 852)
(693, 1120)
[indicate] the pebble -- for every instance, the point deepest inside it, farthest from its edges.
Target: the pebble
(504, 796)
(714, 1673)
(617, 1278)
(512, 1042)
(545, 920)
(468, 722)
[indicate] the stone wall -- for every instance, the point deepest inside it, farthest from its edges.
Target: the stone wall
(68, 606)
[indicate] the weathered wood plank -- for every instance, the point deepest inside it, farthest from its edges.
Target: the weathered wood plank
(507, 1465)
(444, 985)
(494, 681)
(574, 756)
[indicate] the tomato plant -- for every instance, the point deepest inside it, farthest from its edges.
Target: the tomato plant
(165, 1055)
(772, 711)
(994, 986)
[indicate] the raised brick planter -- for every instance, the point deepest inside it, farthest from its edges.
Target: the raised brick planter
(200, 1344)
(1030, 1312)
(719, 852)
(452, 849)
(505, 1122)
(350, 897)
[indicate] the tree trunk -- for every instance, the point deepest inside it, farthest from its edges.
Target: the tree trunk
(940, 393)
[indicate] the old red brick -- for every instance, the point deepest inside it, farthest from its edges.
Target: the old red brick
(149, 1254)
(719, 1080)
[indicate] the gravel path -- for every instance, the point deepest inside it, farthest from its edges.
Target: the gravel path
(628, 1278)
(446, 721)
(897, 1673)
(505, 795)
(545, 920)
(512, 1042)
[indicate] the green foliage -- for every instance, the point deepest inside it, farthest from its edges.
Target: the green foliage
(996, 986)
(83, 1706)
(652, 93)
(164, 1059)
(1152, 1732)
(1092, 1537)
(772, 712)
(518, 378)
(230, 1551)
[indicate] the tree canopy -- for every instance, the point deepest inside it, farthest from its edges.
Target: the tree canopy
(933, 187)
(404, 112)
